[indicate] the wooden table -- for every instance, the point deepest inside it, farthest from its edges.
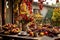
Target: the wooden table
(16, 37)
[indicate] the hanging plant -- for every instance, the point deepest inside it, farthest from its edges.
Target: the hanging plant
(40, 3)
(29, 5)
(57, 1)
(25, 1)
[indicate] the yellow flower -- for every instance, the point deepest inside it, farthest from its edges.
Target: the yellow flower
(23, 8)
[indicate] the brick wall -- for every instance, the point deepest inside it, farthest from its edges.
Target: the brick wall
(0, 12)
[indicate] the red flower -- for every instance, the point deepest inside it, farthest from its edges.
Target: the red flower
(32, 25)
(31, 19)
(25, 1)
(22, 15)
(28, 3)
(25, 18)
(30, 12)
(41, 6)
(40, 3)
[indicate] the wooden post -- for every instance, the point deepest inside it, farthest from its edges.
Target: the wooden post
(3, 12)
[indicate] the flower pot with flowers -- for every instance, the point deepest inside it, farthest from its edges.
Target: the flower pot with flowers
(24, 19)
